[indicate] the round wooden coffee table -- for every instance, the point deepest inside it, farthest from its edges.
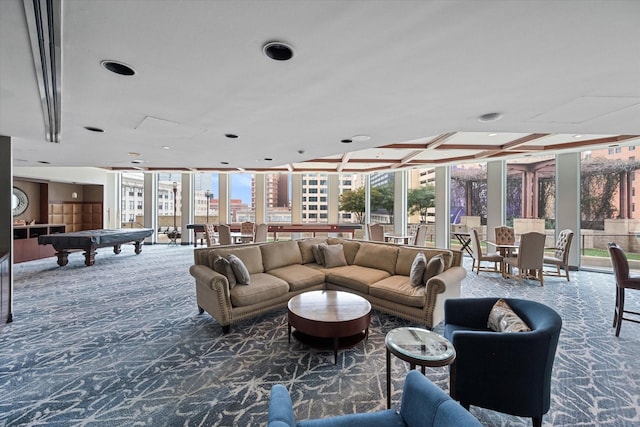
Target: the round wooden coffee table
(329, 319)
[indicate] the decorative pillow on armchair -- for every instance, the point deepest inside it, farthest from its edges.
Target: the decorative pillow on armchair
(502, 318)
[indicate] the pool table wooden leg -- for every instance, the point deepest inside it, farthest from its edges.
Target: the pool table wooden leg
(63, 257)
(89, 257)
(138, 246)
(117, 249)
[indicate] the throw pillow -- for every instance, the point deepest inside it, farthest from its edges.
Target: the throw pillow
(333, 255)
(434, 267)
(503, 319)
(239, 269)
(222, 266)
(418, 268)
(317, 256)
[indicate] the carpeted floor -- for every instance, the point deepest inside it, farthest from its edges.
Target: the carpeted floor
(121, 344)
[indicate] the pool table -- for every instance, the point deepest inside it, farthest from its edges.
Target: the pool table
(90, 240)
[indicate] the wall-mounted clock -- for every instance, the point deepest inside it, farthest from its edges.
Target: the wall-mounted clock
(19, 201)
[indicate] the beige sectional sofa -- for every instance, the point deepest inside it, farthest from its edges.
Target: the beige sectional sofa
(376, 271)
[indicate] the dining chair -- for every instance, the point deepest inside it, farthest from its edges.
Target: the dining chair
(261, 233)
(529, 258)
(478, 256)
(224, 234)
(560, 257)
(376, 232)
(623, 282)
(505, 235)
(210, 234)
(247, 228)
(420, 238)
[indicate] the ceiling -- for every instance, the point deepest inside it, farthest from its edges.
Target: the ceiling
(412, 76)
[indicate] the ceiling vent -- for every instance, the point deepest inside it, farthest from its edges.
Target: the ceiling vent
(44, 21)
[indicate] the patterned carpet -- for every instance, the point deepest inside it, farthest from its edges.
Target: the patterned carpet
(121, 344)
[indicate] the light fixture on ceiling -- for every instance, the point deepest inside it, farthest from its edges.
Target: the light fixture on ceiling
(44, 162)
(94, 129)
(278, 51)
(347, 141)
(137, 161)
(578, 136)
(360, 138)
(44, 23)
(231, 135)
(166, 147)
(268, 159)
(74, 195)
(224, 163)
(118, 67)
(492, 134)
(133, 154)
(489, 117)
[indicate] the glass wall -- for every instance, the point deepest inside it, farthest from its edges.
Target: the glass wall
(278, 197)
(352, 200)
(132, 200)
(382, 199)
(205, 198)
(421, 193)
(241, 204)
(609, 184)
(468, 195)
(315, 204)
(169, 207)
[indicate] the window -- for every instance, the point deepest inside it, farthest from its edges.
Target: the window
(139, 205)
(313, 182)
(346, 182)
(618, 149)
(324, 216)
(323, 199)
(313, 190)
(131, 205)
(324, 207)
(632, 147)
(312, 199)
(313, 216)
(313, 207)
(610, 150)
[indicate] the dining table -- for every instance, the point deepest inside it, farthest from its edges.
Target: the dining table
(505, 250)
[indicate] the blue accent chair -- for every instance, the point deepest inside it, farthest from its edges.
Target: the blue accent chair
(423, 405)
(505, 372)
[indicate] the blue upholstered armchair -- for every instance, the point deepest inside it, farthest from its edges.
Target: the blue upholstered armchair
(423, 405)
(505, 372)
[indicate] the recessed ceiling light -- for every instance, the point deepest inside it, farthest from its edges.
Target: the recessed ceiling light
(360, 138)
(231, 135)
(278, 51)
(94, 129)
(132, 154)
(492, 134)
(44, 162)
(137, 161)
(489, 117)
(268, 159)
(224, 163)
(118, 67)
(166, 147)
(347, 141)
(578, 136)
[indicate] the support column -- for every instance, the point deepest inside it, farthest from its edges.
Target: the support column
(296, 202)
(260, 198)
(6, 223)
(400, 202)
(367, 205)
(568, 201)
(150, 205)
(443, 207)
(333, 198)
(187, 207)
(223, 198)
(113, 201)
(496, 195)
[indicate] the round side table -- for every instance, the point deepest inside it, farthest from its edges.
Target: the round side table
(418, 347)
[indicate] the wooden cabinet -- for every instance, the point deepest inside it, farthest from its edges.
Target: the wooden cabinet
(5, 290)
(25, 241)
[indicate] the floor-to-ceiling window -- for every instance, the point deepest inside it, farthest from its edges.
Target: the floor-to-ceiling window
(278, 198)
(169, 207)
(132, 200)
(421, 193)
(609, 183)
(352, 200)
(382, 199)
(205, 198)
(468, 195)
(315, 198)
(241, 207)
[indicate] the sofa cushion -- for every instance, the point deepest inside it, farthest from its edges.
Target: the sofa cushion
(280, 254)
(306, 248)
(318, 255)
(333, 255)
(251, 256)
(223, 266)
(435, 266)
(239, 270)
(380, 257)
(263, 287)
(418, 267)
(355, 277)
(399, 289)
(350, 247)
(299, 276)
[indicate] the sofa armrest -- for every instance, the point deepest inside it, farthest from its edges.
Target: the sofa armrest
(212, 278)
(440, 282)
(212, 293)
(280, 408)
